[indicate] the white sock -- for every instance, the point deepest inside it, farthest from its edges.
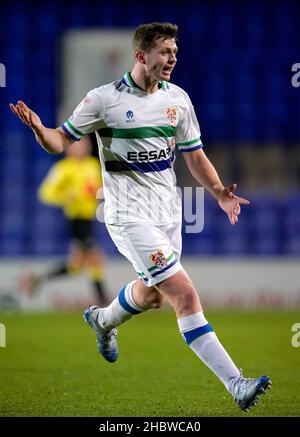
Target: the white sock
(121, 309)
(199, 335)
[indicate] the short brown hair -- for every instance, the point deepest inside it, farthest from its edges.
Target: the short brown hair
(146, 35)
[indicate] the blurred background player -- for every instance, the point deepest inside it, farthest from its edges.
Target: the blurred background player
(72, 184)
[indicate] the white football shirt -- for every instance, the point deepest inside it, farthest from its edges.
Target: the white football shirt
(137, 134)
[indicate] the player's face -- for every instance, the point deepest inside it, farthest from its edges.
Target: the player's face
(161, 59)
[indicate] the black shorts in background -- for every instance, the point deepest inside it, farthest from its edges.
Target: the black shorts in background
(82, 233)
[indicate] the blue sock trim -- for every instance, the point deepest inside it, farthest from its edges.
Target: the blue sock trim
(190, 336)
(123, 302)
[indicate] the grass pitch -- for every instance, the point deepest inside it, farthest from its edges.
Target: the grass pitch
(51, 367)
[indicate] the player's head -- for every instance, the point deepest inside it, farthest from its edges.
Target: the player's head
(155, 48)
(81, 149)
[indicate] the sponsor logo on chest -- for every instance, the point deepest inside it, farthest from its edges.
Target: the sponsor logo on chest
(151, 155)
(130, 116)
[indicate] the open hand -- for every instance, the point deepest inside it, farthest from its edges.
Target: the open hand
(27, 116)
(231, 203)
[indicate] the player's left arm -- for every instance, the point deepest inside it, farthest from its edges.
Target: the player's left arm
(205, 173)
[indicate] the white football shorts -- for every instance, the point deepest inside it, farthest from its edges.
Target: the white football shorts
(154, 251)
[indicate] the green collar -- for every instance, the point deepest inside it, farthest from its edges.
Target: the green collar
(127, 80)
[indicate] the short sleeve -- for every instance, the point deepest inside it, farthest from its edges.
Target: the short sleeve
(188, 137)
(87, 117)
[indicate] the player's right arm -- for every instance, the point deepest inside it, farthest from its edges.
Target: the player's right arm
(54, 141)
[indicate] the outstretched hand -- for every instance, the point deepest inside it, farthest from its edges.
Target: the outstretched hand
(230, 203)
(27, 116)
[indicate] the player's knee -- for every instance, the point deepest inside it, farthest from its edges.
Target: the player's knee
(157, 301)
(154, 301)
(188, 299)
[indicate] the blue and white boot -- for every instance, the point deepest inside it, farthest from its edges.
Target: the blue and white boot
(246, 391)
(106, 340)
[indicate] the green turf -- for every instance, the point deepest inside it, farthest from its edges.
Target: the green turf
(50, 367)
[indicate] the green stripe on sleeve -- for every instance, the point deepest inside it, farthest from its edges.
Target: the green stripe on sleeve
(76, 131)
(189, 143)
(138, 132)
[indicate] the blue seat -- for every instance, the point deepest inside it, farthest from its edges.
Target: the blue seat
(12, 247)
(199, 244)
(237, 245)
(13, 201)
(291, 215)
(12, 222)
(106, 244)
(265, 246)
(291, 245)
(265, 223)
(44, 246)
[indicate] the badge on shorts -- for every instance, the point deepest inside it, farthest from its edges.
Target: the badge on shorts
(158, 258)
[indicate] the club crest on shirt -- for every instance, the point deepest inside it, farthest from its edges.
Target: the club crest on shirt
(171, 113)
(158, 258)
